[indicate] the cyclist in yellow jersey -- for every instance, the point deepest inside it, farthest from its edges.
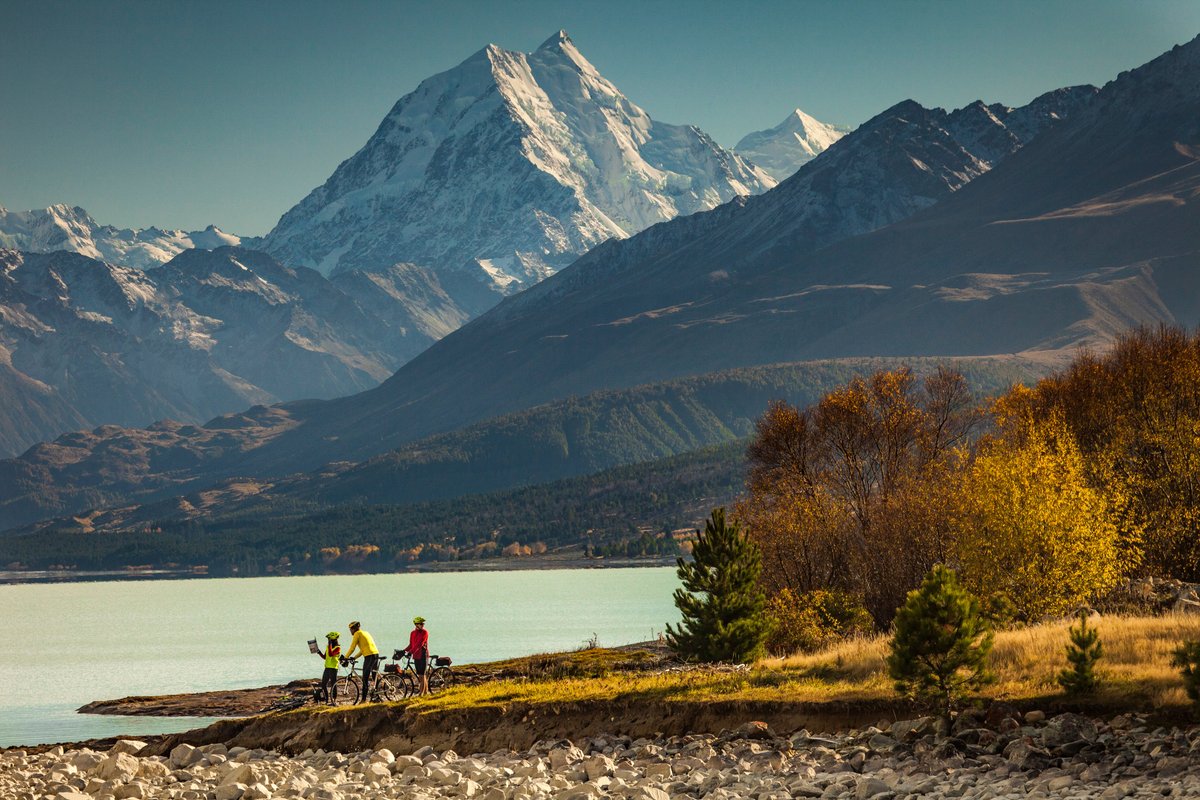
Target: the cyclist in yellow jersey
(365, 645)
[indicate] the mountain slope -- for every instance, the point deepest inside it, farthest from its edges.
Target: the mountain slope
(84, 342)
(789, 145)
(507, 167)
(62, 227)
(175, 471)
(581, 331)
(660, 305)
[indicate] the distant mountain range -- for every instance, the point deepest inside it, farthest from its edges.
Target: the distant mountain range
(72, 229)
(789, 145)
(546, 120)
(923, 233)
(85, 342)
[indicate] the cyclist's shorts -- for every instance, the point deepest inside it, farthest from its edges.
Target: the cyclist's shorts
(419, 665)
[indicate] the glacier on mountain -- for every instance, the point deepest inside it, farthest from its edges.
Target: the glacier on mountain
(504, 169)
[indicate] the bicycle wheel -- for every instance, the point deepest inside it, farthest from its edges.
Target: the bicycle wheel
(406, 686)
(347, 692)
(388, 687)
(440, 678)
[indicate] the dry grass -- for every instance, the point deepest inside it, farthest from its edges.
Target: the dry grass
(1136, 673)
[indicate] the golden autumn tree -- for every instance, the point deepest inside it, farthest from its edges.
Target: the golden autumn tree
(1135, 414)
(1031, 528)
(850, 495)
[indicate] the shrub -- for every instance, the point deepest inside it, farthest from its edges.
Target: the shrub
(1187, 659)
(1083, 652)
(813, 620)
(723, 607)
(941, 643)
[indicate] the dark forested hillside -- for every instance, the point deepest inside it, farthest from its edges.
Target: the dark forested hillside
(132, 474)
(630, 511)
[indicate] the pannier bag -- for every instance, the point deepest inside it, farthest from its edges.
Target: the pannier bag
(442, 661)
(391, 667)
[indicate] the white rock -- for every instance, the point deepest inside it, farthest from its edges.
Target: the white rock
(230, 791)
(650, 793)
(661, 772)
(376, 774)
(131, 791)
(560, 757)
(130, 746)
(86, 760)
(119, 766)
(583, 791)
(598, 766)
(243, 774)
(181, 755)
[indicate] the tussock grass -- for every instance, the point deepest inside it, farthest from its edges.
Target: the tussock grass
(1136, 673)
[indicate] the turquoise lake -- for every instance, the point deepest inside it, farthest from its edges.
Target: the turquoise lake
(71, 643)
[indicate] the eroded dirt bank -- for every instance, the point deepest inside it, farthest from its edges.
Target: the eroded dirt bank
(517, 726)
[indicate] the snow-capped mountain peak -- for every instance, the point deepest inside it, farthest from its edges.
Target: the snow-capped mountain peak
(510, 158)
(63, 227)
(789, 145)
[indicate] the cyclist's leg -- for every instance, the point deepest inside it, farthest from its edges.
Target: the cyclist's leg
(369, 665)
(422, 667)
(329, 683)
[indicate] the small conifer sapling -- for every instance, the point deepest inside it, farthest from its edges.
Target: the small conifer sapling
(1187, 659)
(941, 642)
(1084, 650)
(723, 607)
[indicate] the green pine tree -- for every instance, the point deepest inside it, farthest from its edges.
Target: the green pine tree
(1187, 659)
(723, 607)
(1083, 652)
(941, 643)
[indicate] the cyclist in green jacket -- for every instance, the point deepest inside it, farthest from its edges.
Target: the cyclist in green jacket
(329, 677)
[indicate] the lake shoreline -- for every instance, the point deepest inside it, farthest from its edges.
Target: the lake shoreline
(510, 564)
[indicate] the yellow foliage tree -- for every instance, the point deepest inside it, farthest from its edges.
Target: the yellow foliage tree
(1031, 527)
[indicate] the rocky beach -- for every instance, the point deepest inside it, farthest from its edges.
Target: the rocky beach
(998, 754)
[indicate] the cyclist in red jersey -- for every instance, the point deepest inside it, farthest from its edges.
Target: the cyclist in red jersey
(418, 648)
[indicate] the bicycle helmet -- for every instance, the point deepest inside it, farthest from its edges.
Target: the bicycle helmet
(354, 625)
(333, 635)
(418, 620)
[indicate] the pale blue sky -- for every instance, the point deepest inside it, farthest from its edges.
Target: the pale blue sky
(179, 114)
